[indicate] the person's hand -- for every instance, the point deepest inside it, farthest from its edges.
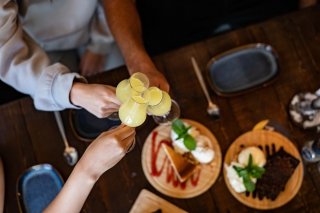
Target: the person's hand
(98, 99)
(102, 154)
(92, 63)
(156, 78)
(107, 150)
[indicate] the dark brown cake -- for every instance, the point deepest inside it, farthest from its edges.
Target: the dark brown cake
(279, 168)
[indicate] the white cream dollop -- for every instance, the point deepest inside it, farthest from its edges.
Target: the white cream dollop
(235, 181)
(203, 151)
(178, 145)
(258, 158)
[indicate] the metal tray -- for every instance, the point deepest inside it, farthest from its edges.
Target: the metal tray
(37, 187)
(242, 68)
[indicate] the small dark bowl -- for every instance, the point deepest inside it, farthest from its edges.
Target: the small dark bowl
(87, 126)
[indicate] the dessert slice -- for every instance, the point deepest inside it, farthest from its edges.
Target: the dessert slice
(182, 166)
(279, 168)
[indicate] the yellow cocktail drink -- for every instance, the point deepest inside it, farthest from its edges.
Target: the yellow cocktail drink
(134, 111)
(163, 107)
(133, 86)
(153, 95)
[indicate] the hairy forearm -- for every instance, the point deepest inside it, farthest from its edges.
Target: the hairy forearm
(124, 22)
(307, 3)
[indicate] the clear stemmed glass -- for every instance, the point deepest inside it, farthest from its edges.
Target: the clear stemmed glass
(162, 108)
(133, 113)
(173, 114)
(127, 88)
(133, 109)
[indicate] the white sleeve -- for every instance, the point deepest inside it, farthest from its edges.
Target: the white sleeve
(26, 67)
(101, 38)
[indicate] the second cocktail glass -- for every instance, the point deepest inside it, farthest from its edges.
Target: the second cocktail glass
(162, 108)
(170, 116)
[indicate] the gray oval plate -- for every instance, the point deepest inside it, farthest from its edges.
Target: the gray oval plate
(242, 68)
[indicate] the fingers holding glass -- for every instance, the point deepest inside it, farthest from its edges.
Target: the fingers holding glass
(125, 136)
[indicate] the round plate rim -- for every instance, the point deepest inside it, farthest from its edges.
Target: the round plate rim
(238, 196)
(184, 195)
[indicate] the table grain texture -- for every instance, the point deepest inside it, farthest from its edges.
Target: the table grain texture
(29, 137)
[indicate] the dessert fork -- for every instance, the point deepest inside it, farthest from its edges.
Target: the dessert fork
(213, 109)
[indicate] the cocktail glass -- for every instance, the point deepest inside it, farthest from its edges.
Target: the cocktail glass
(127, 88)
(172, 113)
(134, 111)
(133, 86)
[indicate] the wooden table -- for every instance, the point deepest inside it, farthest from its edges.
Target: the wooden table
(29, 137)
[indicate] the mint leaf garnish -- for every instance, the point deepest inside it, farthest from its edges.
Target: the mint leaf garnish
(178, 126)
(189, 142)
(250, 186)
(257, 171)
(248, 172)
(182, 131)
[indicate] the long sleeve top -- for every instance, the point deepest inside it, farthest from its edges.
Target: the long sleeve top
(43, 26)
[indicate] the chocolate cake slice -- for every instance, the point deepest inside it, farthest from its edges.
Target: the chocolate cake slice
(279, 168)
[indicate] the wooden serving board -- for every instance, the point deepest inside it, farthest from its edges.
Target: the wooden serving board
(149, 202)
(263, 139)
(160, 174)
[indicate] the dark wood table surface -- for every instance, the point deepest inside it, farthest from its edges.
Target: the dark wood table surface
(29, 137)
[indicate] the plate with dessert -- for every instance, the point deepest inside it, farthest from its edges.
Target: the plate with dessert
(181, 160)
(263, 169)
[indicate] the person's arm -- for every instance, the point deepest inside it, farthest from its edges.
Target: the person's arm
(124, 23)
(26, 67)
(98, 99)
(102, 154)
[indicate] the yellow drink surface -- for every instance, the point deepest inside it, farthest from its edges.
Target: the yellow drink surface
(132, 113)
(139, 99)
(123, 90)
(163, 107)
(137, 84)
(153, 95)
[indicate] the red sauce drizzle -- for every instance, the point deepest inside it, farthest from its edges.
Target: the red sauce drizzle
(195, 177)
(170, 174)
(171, 177)
(154, 155)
